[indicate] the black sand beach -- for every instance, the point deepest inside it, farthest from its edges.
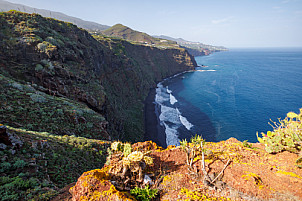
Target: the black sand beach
(153, 130)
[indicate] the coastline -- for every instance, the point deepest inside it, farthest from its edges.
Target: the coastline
(153, 130)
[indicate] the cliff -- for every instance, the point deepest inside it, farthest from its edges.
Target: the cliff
(63, 92)
(233, 171)
(195, 48)
(95, 88)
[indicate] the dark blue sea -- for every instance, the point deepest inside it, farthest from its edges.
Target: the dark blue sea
(234, 94)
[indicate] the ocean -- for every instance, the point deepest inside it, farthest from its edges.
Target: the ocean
(232, 94)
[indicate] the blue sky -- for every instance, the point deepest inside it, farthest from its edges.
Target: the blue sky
(231, 23)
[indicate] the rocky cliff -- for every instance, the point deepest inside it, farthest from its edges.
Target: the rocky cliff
(57, 77)
(231, 170)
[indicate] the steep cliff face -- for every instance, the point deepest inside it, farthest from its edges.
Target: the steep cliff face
(95, 87)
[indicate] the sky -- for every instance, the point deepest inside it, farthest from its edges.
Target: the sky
(229, 23)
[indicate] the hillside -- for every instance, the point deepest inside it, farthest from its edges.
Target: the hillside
(6, 6)
(195, 48)
(124, 32)
(44, 61)
(63, 92)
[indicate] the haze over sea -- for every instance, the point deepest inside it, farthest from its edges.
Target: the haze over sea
(235, 94)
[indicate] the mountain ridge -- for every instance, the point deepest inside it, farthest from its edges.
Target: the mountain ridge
(6, 6)
(195, 48)
(124, 32)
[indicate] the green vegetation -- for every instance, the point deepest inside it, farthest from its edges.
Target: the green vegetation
(61, 88)
(286, 135)
(23, 105)
(144, 194)
(128, 167)
(136, 37)
(193, 149)
(45, 163)
(78, 77)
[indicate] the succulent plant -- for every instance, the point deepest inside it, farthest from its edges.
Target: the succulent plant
(286, 134)
(192, 148)
(127, 149)
(116, 146)
(135, 156)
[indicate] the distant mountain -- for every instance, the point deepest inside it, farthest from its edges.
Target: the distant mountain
(170, 38)
(6, 6)
(194, 48)
(129, 34)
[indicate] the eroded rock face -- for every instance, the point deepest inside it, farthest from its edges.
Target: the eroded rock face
(8, 140)
(4, 139)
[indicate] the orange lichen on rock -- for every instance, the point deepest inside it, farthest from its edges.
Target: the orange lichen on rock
(250, 173)
(95, 185)
(146, 146)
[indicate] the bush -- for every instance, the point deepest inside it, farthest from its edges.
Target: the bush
(39, 67)
(42, 46)
(37, 98)
(286, 134)
(19, 164)
(5, 166)
(144, 194)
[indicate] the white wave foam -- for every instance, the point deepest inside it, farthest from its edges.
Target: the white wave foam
(204, 70)
(173, 100)
(170, 117)
(169, 114)
(184, 121)
(171, 135)
(168, 90)
(161, 95)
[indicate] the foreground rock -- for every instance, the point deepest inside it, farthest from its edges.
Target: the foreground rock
(252, 174)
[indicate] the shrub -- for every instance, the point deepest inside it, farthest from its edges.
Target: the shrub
(42, 46)
(39, 67)
(38, 98)
(193, 148)
(5, 166)
(286, 134)
(144, 194)
(19, 164)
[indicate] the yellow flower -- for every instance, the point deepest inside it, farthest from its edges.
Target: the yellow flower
(148, 160)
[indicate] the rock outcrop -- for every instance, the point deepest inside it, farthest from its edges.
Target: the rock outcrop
(238, 171)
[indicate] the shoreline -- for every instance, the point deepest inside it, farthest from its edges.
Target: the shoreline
(153, 130)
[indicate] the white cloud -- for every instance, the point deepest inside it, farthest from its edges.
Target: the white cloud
(223, 20)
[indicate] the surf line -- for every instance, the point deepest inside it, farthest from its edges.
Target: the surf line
(169, 116)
